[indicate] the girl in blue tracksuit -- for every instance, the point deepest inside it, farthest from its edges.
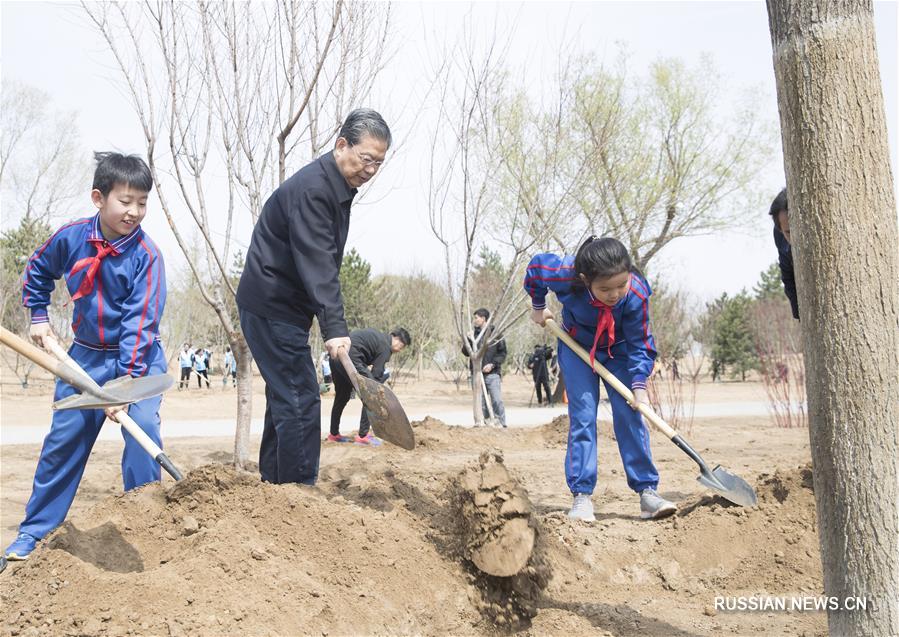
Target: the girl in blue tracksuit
(115, 276)
(605, 308)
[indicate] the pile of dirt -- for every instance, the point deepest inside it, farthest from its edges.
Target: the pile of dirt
(712, 546)
(395, 543)
(223, 553)
(753, 548)
(433, 434)
(555, 432)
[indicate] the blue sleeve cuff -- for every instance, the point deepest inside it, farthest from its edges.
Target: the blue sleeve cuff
(39, 315)
(538, 303)
(638, 382)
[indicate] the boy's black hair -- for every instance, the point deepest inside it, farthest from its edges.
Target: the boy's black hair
(365, 121)
(483, 312)
(601, 259)
(116, 168)
(779, 203)
(403, 334)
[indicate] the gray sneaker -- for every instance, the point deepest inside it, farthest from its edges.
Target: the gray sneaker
(653, 506)
(582, 508)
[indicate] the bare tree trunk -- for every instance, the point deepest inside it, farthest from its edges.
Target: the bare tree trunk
(843, 222)
(477, 392)
(244, 397)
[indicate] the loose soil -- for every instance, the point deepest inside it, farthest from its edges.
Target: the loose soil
(396, 542)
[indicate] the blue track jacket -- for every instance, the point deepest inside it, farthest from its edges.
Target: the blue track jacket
(582, 313)
(123, 307)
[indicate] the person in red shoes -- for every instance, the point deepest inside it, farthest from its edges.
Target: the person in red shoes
(370, 351)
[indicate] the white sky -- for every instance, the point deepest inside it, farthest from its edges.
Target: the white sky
(50, 46)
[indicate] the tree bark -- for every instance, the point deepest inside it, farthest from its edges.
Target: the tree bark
(244, 398)
(843, 226)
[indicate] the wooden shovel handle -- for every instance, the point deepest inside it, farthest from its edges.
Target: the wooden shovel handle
(344, 359)
(62, 355)
(611, 379)
(41, 358)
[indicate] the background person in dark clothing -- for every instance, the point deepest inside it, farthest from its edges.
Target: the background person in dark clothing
(781, 219)
(370, 348)
(291, 275)
(491, 365)
(538, 364)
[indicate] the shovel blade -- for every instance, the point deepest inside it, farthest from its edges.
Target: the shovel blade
(732, 487)
(120, 391)
(388, 418)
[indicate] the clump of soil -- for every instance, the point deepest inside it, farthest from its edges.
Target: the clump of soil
(495, 518)
(499, 533)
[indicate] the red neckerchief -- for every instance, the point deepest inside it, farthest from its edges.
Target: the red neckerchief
(605, 323)
(104, 249)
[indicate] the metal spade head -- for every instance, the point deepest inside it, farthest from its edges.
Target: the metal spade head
(388, 419)
(733, 488)
(120, 391)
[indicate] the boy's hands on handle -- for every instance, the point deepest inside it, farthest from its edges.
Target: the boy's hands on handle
(540, 316)
(112, 412)
(116, 413)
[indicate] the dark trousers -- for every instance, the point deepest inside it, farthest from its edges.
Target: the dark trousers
(185, 377)
(201, 374)
(291, 437)
(542, 382)
(342, 390)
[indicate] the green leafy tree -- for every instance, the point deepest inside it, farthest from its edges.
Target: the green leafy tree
(357, 289)
(487, 278)
(769, 285)
(16, 245)
(733, 346)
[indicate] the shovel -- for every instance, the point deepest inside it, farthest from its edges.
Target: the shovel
(116, 392)
(388, 419)
(732, 487)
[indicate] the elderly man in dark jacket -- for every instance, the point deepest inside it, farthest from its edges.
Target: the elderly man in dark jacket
(291, 276)
(491, 365)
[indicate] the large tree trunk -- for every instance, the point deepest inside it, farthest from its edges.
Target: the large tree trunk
(843, 225)
(244, 398)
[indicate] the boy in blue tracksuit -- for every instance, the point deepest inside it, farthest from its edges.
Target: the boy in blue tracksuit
(605, 308)
(116, 278)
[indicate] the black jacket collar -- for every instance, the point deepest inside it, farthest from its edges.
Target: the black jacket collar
(341, 187)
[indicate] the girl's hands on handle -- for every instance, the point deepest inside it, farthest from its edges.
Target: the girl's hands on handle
(640, 396)
(540, 316)
(38, 331)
